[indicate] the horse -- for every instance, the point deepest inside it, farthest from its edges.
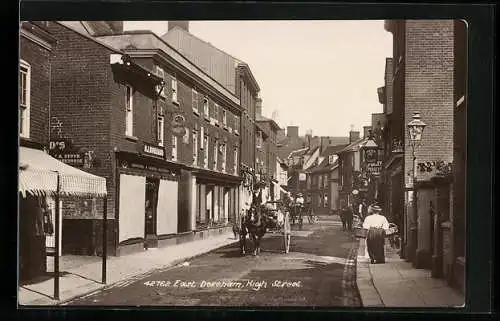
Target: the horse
(254, 223)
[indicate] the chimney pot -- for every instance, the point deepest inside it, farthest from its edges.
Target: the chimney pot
(178, 23)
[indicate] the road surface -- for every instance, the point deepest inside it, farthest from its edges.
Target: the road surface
(319, 271)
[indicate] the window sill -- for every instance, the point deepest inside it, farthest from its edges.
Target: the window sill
(225, 127)
(236, 133)
(206, 118)
(131, 138)
(175, 102)
(196, 112)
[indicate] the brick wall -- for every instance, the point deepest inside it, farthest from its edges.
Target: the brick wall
(388, 85)
(429, 88)
(81, 104)
(38, 58)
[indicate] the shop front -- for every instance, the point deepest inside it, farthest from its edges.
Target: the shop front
(147, 198)
(216, 199)
(41, 178)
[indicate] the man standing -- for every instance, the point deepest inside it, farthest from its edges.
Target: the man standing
(362, 209)
(376, 224)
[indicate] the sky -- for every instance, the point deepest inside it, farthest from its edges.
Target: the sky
(319, 75)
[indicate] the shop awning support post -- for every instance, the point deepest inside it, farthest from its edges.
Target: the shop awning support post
(104, 239)
(56, 246)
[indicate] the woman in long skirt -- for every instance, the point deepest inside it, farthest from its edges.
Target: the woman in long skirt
(376, 224)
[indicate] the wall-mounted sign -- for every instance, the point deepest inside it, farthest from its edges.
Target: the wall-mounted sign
(153, 150)
(63, 150)
(302, 176)
(178, 125)
(374, 168)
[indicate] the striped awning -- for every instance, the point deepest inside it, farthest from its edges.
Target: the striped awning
(38, 173)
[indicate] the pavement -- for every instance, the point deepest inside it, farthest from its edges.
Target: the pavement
(82, 274)
(319, 271)
(398, 284)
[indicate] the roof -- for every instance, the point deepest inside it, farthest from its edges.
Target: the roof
(147, 40)
(354, 146)
(214, 61)
(38, 175)
(298, 152)
(325, 165)
(260, 118)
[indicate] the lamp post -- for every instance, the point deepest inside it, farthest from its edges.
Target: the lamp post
(415, 129)
(370, 156)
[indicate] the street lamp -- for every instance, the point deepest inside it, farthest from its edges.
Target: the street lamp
(415, 129)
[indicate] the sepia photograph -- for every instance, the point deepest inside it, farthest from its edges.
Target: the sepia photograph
(243, 163)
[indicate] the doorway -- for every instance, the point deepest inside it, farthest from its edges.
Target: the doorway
(152, 187)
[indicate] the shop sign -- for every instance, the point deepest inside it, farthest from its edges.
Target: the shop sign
(371, 155)
(63, 150)
(153, 150)
(178, 125)
(374, 168)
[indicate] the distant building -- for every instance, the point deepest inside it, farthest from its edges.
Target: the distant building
(322, 182)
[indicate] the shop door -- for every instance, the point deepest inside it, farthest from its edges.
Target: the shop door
(152, 186)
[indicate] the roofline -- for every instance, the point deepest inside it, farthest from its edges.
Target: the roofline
(160, 54)
(239, 62)
(149, 32)
(90, 37)
(37, 34)
(246, 70)
(273, 123)
(297, 150)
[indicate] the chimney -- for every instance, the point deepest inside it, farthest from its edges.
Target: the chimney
(366, 131)
(292, 131)
(353, 136)
(258, 107)
(181, 24)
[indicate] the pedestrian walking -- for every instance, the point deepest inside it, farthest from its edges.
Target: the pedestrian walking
(376, 224)
(349, 218)
(362, 209)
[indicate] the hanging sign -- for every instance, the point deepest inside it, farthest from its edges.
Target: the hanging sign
(374, 168)
(178, 125)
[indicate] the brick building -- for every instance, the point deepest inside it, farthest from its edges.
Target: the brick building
(323, 182)
(163, 133)
(35, 46)
(429, 76)
(423, 82)
(455, 259)
(269, 128)
(234, 75)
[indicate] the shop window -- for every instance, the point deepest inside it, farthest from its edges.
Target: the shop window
(24, 99)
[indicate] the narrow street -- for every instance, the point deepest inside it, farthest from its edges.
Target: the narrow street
(319, 271)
